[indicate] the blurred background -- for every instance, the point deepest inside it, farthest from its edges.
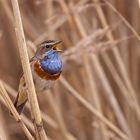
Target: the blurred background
(100, 79)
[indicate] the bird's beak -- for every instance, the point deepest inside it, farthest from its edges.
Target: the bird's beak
(56, 46)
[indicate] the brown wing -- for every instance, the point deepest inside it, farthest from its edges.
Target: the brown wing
(21, 98)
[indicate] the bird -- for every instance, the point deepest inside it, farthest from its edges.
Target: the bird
(46, 67)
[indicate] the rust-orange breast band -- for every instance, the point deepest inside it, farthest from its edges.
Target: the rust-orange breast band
(42, 74)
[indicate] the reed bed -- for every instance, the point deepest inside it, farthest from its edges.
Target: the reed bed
(97, 96)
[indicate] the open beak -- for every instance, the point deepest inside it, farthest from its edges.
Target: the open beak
(56, 46)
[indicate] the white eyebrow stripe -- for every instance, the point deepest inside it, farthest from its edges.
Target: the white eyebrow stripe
(50, 43)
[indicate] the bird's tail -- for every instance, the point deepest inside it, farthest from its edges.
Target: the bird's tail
(20, 103)
(19, 107)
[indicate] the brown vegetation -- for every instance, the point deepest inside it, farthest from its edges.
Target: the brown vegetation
(97, 95)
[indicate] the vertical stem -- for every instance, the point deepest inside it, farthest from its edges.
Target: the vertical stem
(27, 73)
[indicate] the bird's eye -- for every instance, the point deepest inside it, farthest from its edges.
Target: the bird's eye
(47, 46)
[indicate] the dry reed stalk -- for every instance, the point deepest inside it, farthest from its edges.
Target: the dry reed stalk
(139, 2)
(72, 53)
(40, 132)
(54, 27)
(74, 111)
(80, 8)
(116, 53)
(45, 117)
(66, 135)
(28, 123)
(67, 11)
(29, 29)
(1, 34)
(92, 85)
(84, 34)
(123, 19)
(49, 13)
(92, 109)
(48, 120)
(28, 26)
(83, 43)
(8, 12)
(121, 65)
(95, 100)
(114, 103)
(10, 106)
(121, 86)
(118, 112)
(3, 129)
(24, 118)
(68, 15)
(123, 71)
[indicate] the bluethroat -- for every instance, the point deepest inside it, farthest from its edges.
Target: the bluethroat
(46, 66)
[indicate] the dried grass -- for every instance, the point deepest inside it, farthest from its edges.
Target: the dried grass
(97, 96)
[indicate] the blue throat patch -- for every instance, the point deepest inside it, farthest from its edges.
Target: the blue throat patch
(51, 63)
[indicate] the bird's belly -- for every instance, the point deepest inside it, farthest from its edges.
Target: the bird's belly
(42, 84)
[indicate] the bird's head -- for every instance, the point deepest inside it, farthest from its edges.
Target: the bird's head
(47, 48)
